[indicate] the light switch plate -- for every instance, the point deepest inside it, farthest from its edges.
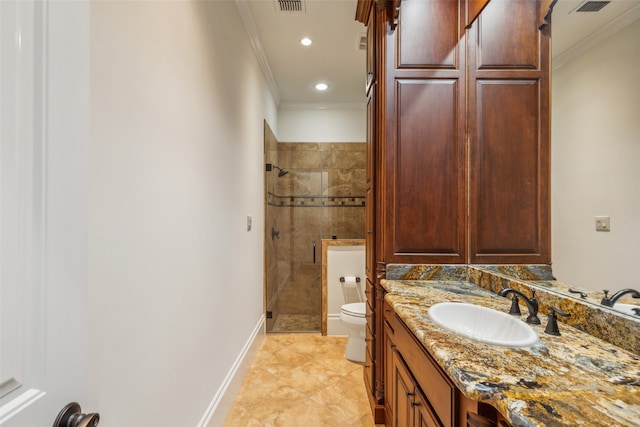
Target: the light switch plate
(603, 223)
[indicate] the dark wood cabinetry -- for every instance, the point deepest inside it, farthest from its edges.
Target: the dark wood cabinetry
(457, 142)
(423, 148)
(419, 393)
(509, 170)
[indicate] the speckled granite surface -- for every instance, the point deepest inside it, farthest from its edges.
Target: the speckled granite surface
(521, 272)
(426, 272)
(571, 380)
(587, 314)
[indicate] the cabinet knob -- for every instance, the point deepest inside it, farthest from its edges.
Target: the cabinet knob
(408, 393)
(414, 404)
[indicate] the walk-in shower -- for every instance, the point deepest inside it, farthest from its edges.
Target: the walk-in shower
(317, 193)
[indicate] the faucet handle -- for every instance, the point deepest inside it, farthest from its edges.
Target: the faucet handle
(552, 325)
(515, 306)
(606, 301)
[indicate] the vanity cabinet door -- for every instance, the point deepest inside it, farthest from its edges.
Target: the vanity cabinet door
(411, 406)
(424, 416)
(404, 390)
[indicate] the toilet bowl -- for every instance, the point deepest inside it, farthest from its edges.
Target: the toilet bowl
(353, 317)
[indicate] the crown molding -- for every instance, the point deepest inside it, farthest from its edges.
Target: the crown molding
(252, 31)
(598, 36)
(323, 106)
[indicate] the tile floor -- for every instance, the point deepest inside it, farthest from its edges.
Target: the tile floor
(297, 323)
(302, 380)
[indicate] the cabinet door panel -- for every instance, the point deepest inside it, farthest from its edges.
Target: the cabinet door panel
(508, 35)
(404, 390)
(435, 48)
(509, 136)
(507, 155)
(428, 190)
(424, 416)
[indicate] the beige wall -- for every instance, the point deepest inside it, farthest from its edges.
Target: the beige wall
(178, 103)
(596, 164)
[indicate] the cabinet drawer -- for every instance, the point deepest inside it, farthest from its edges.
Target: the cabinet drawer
(370, 341)
(437, 388)
(370, 293)
(389, 316)
(368, 372)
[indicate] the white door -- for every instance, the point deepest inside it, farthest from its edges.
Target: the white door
(44, 132)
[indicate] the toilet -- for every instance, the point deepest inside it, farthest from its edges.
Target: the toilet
(353, 317)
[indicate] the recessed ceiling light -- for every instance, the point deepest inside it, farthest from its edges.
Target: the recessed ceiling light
(321, 86)
(306, 41)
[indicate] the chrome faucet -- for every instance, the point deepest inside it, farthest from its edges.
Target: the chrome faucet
(615, 297)
(532, 304)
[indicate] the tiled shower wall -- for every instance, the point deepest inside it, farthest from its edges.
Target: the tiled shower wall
(321, 197)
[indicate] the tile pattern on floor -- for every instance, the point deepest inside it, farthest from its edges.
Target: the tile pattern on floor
(297, 323)
(302, 380)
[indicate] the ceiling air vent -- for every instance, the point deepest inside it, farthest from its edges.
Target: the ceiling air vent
(290, 5)
(592, 6)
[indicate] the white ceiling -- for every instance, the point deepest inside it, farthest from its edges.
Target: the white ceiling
(335, 58)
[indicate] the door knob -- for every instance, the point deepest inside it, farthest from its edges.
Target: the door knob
(72, 416)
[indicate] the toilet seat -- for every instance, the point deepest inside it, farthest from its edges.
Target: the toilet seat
(355, 309)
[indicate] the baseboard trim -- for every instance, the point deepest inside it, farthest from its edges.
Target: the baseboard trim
(335, 326)
(222, 401)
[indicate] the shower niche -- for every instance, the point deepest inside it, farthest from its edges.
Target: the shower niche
(313, 191)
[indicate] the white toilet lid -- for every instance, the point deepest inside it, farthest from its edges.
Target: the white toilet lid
(356, 309)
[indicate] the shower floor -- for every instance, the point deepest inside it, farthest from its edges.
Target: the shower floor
(297, 323)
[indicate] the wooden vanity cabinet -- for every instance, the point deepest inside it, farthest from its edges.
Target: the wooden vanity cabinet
(419, 393)
(412, 407)
(406, 405)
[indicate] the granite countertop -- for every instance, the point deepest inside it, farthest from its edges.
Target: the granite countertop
(574, 379)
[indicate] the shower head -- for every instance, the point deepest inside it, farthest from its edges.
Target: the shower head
(281, 172)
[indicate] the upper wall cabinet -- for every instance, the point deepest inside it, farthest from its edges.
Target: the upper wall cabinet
(424, 135)
(508, 128)
(461, 128)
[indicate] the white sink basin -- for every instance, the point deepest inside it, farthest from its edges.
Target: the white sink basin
(483, 324)
(626, 308)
